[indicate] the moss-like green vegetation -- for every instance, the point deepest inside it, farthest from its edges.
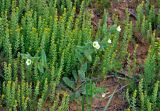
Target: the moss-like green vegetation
(43, 41)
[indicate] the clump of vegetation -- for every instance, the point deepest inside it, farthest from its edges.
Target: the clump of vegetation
(44, 43)
(142, 99)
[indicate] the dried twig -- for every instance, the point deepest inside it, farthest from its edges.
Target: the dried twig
(118, 90)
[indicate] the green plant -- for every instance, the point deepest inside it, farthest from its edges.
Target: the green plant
(34, 51)
(150, 68)
(45, 41)
(148, 100)
(139, 11)
(78, 86)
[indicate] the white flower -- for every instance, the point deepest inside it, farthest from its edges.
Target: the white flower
(109, 41)
(119, 28)
(96, 45)
(103, 95)
(28, 62)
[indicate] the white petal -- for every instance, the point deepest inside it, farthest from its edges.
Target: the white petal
(96, 45)
(109, 41)
(28, 61)
(103, 95)
(119, 28)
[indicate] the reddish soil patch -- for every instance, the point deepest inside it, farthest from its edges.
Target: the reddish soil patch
(117, 104)
(2, 109)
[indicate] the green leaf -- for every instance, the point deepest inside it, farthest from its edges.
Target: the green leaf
(113, 28)
(68, 82)
(97, 90)
(81, 74)
(40, 68)
(26, 56)
(82, 71)
(79, 56)
(74, 73)
(43, 58)
(74, 95)
(84, 67)
(88, 56)
(83, 89)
